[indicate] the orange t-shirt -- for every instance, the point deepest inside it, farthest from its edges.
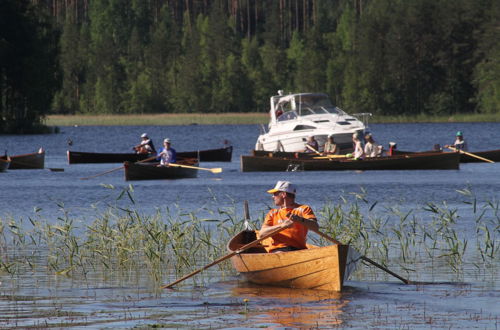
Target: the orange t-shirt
(294, 236)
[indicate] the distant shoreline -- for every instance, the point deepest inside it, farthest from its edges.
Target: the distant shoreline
(235, 119)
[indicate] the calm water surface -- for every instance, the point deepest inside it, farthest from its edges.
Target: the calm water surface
(371, 300)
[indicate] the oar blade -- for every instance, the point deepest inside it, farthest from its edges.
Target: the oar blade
(216, 170)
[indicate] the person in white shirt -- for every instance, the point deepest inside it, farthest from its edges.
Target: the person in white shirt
(372, 149)
(358, 153)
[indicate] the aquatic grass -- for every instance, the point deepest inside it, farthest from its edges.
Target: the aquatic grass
(121, 242)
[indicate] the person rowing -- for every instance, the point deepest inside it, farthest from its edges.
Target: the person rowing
(297, 218)
(167, 154)
(146, 146)
(459, 143)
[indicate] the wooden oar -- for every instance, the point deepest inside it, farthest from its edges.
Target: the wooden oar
(116, 169)
(227, 256)
(331, 157)
(311, 148)
(213, 170)
(331, 239)
(470, 154)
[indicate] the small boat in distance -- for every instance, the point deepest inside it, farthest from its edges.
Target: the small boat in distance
(417, 161)
(4, 163)
(151, 171)
(295, 117)
(493, 155)
(320, 268)
(210, 155)
(32, 161)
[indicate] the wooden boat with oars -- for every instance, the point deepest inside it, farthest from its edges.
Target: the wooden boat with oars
(493, 155)
(418, 161)
(322, 268)
(4, 163)
(184, 168)
(32, 161)
(209, 155)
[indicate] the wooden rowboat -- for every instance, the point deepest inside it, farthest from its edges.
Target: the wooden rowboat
(493, 155)
(4, 163)
(35, 160)
(210, 155)
(151, 171)
(321, 268)
(417, 161)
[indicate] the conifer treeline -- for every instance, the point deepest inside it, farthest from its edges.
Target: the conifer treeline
(379, 56)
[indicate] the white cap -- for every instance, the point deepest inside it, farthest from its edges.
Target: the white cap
(283, 186)
(144, 135)
(392, 143)
(167, 140)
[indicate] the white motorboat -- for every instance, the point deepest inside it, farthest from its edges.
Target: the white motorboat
(295, 117)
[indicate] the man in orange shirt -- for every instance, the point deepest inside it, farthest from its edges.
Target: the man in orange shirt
(296, 218)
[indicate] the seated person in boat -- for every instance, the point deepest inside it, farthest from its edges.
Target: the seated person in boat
(167, 154)
(459, 143)
(146, 146)
(311, 144)
(372, 149)
(392, 147)
(297, 218)
(330, 147)
(358, 153)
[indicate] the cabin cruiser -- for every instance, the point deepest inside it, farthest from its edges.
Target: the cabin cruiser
(295, 117)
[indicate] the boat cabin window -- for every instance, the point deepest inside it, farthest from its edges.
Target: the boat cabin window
(303, 127)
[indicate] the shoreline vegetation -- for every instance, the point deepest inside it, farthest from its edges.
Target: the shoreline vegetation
(237, 119)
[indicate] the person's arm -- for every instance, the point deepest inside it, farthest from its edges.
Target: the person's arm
(311, 224)
(266, 229)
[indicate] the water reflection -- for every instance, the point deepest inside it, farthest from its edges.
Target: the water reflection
(274, 306)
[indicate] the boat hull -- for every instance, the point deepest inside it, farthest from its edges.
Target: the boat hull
(320, 268)
(32, 161)
(150, 171)
(211, 155)
(422, 161)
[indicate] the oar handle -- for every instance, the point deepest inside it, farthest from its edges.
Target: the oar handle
(227, 256)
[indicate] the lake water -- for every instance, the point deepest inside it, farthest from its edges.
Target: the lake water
(371, 300)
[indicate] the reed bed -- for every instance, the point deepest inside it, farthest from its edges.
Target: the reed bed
(172, 242)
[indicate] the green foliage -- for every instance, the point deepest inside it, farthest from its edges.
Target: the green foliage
(388, 57)
(28, 76)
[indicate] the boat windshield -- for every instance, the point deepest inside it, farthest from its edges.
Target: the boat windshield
(315, 104)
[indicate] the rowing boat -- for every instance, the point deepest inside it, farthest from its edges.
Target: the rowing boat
(321, 268)
(4, 163)
(151, 171)
(493, 155)
(417, 161)
(35, 160)
(210, 155)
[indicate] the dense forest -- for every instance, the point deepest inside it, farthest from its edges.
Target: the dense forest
(212, 56)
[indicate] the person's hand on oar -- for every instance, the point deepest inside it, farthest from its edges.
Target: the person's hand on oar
(469, 154)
